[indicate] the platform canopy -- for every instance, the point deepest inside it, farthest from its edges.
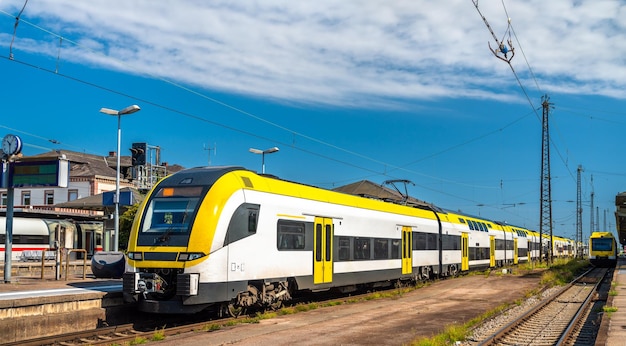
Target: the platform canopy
(620, 216)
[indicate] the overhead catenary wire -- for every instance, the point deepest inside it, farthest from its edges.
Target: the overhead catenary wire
(388, 166)
(519, 82)
(294, 133)
(315, 153)
(17, 22)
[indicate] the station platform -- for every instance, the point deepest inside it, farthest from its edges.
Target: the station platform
(614, 327)
(34, 307)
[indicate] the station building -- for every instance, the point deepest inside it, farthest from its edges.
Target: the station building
(79, 216)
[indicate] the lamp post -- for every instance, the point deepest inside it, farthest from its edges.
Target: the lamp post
(128, 110)
(263, 152)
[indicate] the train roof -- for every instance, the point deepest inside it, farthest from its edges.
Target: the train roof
(207, 176)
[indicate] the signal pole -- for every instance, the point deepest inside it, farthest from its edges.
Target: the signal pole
(546, 192)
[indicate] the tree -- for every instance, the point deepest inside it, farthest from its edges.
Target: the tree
(126, 223)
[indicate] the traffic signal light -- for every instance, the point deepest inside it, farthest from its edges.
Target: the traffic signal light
(138, 154)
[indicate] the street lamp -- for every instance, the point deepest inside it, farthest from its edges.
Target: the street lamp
(116, 200)
(263, 152)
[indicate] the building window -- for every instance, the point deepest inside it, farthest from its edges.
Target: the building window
(72, 195)
(3, 199)
(25, 197)
(49, 197)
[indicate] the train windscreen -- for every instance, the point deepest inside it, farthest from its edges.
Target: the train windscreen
(169, 216)
(601, 244)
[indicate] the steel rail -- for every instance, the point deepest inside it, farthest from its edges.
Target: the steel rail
(499, 334)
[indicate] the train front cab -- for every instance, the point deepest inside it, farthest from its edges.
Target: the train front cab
(602, 249)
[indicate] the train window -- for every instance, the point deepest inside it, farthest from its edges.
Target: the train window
(171, 211)
(601, 244)
(32, 239)
(419, 241)
(395, 248)
(243, 223)
(3, 198)
(451, 242)
(362, 248)
(470, 223)
(381, 248)
(432, 242)
(318, 242)
(344, 249)
(290, 235)
(172, 215)
(329, 238)
(253, 217)
(461, 220)
(476, 226)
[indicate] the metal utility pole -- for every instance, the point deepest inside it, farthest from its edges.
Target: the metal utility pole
(546, 193)
(579, 216)
(592, 222)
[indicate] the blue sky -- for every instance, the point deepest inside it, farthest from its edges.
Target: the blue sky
(348, 90)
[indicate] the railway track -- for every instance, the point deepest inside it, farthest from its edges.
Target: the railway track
(560, 320)
(153, 331)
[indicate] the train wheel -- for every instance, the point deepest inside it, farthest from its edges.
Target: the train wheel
(276, 305)
(235, 311)
(454, 270)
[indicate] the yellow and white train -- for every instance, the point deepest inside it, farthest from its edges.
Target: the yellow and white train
(603, 249)
(229, 238)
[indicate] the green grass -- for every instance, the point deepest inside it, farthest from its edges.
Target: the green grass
(211, 327)
(138, 341)
(609, 310)
(450, 335)
(158, 335)
(563, 271)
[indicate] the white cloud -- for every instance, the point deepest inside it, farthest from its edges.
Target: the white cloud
(339, 52)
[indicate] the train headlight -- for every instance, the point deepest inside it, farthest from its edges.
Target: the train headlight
(190, 256)
(137, 256)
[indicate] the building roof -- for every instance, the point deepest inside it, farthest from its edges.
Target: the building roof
(366, 188)
(95, 202)
(87, 165)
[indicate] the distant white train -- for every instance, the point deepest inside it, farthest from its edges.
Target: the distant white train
(31, 236)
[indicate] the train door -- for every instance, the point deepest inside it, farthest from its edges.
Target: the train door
(515, 257)
(88, 244)
(407, 250)
(492, 251)
(322, 252)
(464, 252)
